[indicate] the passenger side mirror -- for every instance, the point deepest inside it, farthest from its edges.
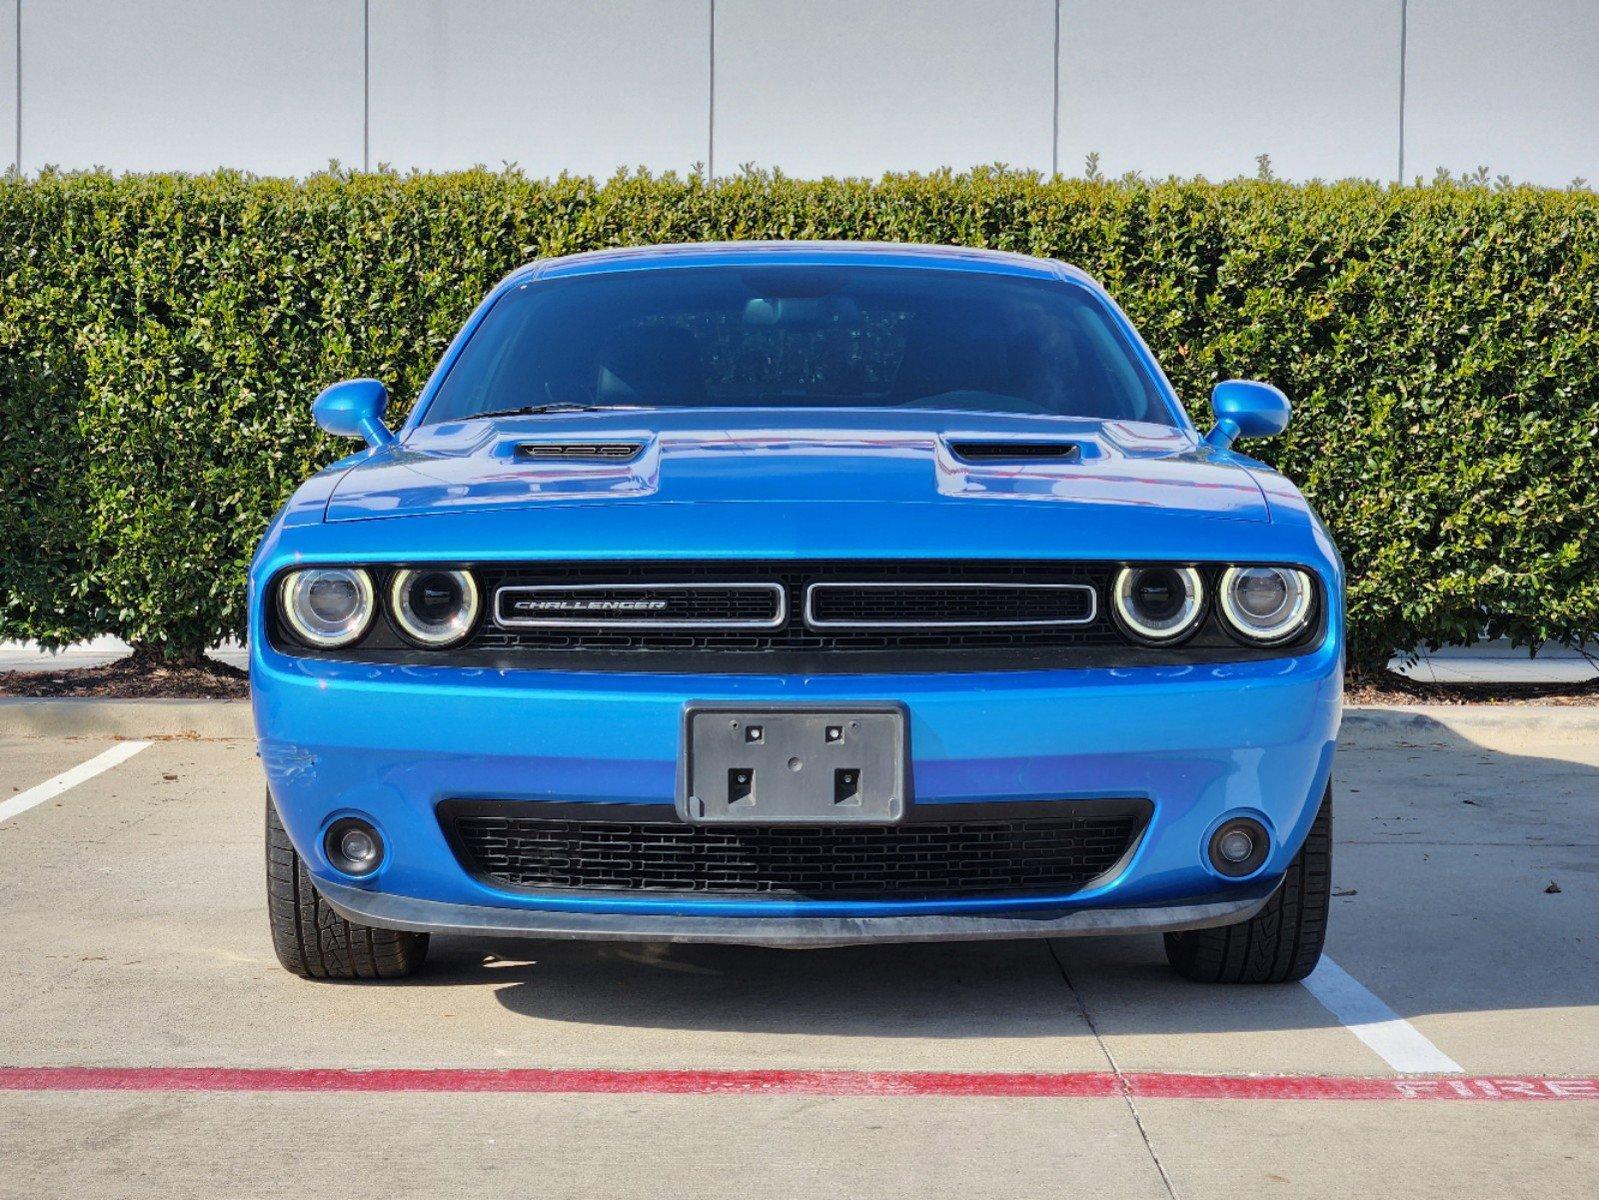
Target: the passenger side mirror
(1245, 409)
(354, 408)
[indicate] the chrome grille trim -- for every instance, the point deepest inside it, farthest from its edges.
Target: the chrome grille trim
(597, 621)
(814, 622)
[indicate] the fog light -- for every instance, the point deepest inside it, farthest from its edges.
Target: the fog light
(354, 847)
(1239, 847)
(1235, 846)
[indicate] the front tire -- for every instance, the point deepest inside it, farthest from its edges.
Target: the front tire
(1282, 942)
(311, 939)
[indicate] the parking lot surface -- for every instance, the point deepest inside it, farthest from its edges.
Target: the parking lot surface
(150, 1045)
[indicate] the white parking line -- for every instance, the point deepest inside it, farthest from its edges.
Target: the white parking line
(1395, 1040)
(51, 788)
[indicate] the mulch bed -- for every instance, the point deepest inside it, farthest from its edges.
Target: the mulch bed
(132, 679)
(1388, 688)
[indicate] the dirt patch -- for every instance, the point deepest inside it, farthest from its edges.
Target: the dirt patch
(1389, 688)
(132, 679)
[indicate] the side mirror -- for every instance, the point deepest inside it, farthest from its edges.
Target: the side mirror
(354, 408)
(1245, 409)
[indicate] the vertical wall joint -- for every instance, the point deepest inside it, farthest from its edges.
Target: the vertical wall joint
(1054, 122)
(710, 121)
(16, 160)
(1404, 20)
(366, 85)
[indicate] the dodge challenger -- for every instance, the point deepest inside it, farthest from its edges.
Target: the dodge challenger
(798, 594)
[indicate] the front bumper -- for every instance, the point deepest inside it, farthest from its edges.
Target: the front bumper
(797, 933)
(391, 743)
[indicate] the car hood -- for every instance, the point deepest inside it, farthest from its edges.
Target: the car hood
(788, 457)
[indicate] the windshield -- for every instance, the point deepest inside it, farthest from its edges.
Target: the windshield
(791, 335)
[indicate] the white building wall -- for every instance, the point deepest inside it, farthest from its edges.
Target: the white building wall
(273, 86)
(1203, 88)
(1509, 84)
(857, 87)
(8, 83)
(811, 86)
(550, 85)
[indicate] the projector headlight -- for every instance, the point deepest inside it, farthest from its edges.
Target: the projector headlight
(1159, 604)
(433, 607)
(328, 606)
(1266, 604)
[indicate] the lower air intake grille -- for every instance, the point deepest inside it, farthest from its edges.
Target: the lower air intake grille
(966, 850)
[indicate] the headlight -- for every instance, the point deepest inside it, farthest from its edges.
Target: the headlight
(1265, 604)
(433, 607)
(1159, 604)
(328, 606)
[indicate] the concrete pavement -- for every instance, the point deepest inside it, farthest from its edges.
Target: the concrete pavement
(1499, 662)
(134, 937)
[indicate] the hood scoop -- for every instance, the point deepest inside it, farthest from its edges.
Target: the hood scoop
(790, 461)
(1009, 450)
(563, 451)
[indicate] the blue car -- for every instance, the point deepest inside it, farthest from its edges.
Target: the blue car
(798, 594)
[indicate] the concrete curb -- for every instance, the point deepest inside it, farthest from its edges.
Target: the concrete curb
(22, 716)
(1557, 720)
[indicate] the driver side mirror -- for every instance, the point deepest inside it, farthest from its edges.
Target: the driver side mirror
(354, 408)
(1245, 409)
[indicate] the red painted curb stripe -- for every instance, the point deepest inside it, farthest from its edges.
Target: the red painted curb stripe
(809, 1083)
(1153, 1085)
(1157, 1086)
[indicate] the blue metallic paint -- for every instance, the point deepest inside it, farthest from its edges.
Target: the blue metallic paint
(1246, 409)
(793, 456)
(354, 408)
(391, 741)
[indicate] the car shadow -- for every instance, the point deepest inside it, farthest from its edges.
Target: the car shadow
(963, 990)
(1445, 849)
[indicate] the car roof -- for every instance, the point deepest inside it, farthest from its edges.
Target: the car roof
(800, 253)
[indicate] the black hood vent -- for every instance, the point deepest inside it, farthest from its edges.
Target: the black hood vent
(1014, 451)
(578, 451)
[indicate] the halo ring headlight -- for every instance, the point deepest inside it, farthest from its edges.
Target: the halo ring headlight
(1266, 605)
(1159, 604)
(328, 607)
(432, 606)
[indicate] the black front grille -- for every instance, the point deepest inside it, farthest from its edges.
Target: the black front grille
(665, 605)
(947, 605)
(1007, 622)
(943, 851)
(794, 635)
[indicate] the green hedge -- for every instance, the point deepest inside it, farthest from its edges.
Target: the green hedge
(161, 338)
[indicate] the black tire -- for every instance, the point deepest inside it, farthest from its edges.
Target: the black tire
(312, 940)
(1282, 942)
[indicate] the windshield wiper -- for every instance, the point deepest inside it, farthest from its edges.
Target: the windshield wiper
(533, 410)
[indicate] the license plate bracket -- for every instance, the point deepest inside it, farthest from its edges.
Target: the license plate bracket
(794, 764)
